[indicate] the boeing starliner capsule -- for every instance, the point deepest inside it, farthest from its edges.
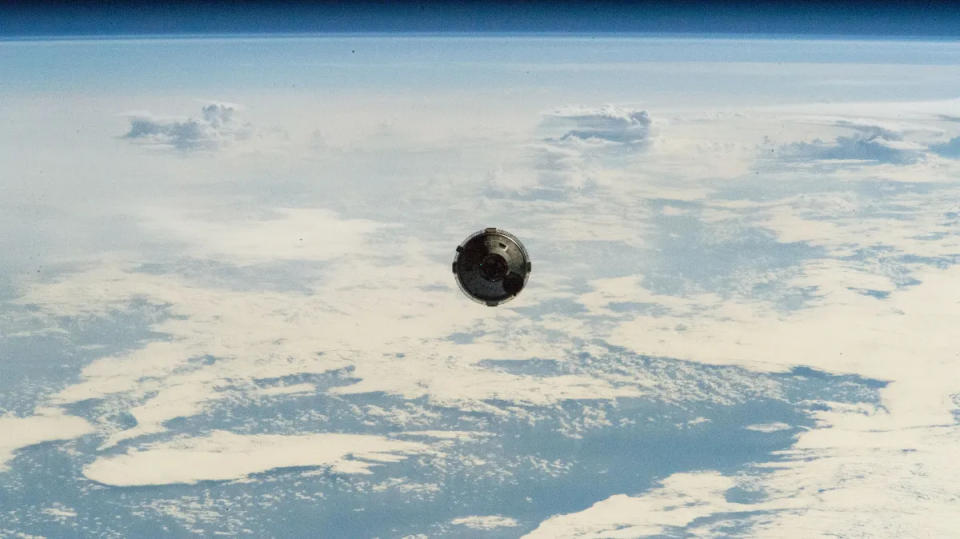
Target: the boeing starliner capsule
(491, 266)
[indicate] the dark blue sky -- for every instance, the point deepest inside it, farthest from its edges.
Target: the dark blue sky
(876, 18)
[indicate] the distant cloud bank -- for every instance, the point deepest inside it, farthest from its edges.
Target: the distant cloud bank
(217, 126)
(866, 143)
(608, 123)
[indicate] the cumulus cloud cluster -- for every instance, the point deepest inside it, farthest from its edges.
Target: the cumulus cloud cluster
(578, 145)
(870, 143)
(609, 123)
(216, 127)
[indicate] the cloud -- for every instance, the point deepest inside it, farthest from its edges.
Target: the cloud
(852, 479)
(870, 130)
(866, 143)
(286, 234)
(20, 432)
(890, 461)
(367, 306)
(768, 427)
(608, 123)
(680, 500)
(489, 522)
(216, 127)
(579, 147)
(224, 456)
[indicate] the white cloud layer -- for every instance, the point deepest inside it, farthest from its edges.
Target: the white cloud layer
(384, 290)
(681, 499)
(871, 470)
(44, 426)
(223, 456)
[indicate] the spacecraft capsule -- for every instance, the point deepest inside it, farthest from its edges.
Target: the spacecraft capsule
(491, 266)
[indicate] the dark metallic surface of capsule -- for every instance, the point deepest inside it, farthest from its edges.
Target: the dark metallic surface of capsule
(491, 266)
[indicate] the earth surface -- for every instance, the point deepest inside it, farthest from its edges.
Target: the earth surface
(226, 304)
